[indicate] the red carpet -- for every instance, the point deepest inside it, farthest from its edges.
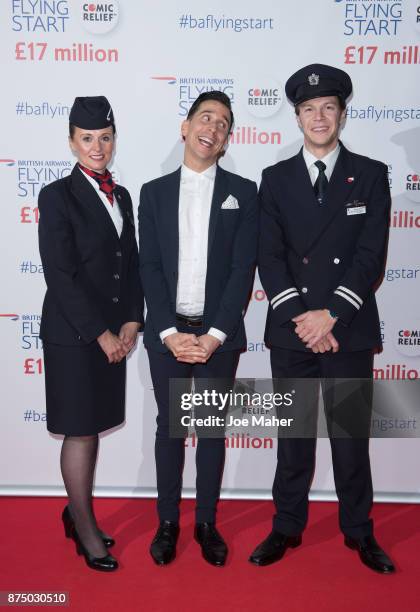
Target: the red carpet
(320, 575)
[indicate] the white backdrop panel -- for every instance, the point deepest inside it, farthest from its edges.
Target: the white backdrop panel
(152, 59)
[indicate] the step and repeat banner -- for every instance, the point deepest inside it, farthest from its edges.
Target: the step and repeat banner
(152, 59)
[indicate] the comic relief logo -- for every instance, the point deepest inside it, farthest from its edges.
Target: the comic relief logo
(374, 18)
(407, 340)
(264, 98)
(39, 15)
(190, 87)
(30, 324)
(34, 174)
(412, 187)
(99, 17)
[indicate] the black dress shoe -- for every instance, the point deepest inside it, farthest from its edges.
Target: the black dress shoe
(213, 546)
(371, 554)
(104, 564)
(163, 546)
(273, 548)
(68, 523)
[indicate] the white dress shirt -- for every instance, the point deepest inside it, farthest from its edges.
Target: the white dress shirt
(329, 160)
(195, 197)
(113, 210)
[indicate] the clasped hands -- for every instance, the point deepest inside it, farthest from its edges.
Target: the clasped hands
(190, 348)
(314, 328)
(117, 347)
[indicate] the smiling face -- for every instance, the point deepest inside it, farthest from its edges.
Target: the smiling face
(93, 148)
(320, 120)
(205, 135)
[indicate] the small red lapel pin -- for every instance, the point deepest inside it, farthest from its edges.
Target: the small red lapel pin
(350, 179)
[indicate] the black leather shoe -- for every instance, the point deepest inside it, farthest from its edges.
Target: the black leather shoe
(371, 554)
(213, 546)
(273, 548)
(163, 546)
(68, 523)
(103, 564)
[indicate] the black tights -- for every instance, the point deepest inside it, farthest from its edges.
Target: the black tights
(78, 461)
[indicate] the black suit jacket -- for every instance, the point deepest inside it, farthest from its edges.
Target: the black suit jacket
(232, 249)
(92, 276)
(328, 256)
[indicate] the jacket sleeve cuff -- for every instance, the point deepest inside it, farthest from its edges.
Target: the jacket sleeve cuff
(345, 304)
(286, 305)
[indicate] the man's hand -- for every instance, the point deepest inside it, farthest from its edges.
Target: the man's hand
(313, 325)
(178, 341)
(209, 343)
(327, 343)
(112, 346)
(128, 335)
(201, 353)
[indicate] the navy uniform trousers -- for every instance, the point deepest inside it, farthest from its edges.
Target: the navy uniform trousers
(350, 454)
(170, 451)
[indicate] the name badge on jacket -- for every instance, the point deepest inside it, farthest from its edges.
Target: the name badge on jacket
(356, 208)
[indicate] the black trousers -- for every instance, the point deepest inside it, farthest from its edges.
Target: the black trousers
(350, 455)
(169, 451)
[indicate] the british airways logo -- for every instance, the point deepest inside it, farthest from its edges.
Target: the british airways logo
(170, 80)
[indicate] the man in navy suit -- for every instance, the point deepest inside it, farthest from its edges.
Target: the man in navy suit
(198, 236)
(324, 226)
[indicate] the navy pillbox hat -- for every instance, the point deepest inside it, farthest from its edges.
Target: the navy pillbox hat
(91, 113)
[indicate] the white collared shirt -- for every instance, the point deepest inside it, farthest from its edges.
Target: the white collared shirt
(329, 160)
(113, 210)
(195, 197)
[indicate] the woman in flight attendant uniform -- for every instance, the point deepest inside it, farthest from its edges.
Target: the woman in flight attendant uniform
(92, 311)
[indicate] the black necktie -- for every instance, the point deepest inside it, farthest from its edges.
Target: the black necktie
(321, 183)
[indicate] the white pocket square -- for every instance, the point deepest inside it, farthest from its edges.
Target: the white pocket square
(230, 203)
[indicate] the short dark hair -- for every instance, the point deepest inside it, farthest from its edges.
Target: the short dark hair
(341, 104)
(216, 95)
(72, 129)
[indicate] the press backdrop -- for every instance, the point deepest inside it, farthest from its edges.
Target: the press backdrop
(152, 59)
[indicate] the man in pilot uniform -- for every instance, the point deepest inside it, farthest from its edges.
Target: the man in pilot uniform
(324, 226)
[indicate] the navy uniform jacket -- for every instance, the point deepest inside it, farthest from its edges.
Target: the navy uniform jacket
(232, 250)
(329, 256)
(92, 276)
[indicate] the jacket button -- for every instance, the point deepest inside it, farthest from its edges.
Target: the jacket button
(336, 260)
(117, 276)
(304, 289)
(115, 300)
(118, 254)
(305, 260)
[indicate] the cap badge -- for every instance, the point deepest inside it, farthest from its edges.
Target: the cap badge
(313, 79)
